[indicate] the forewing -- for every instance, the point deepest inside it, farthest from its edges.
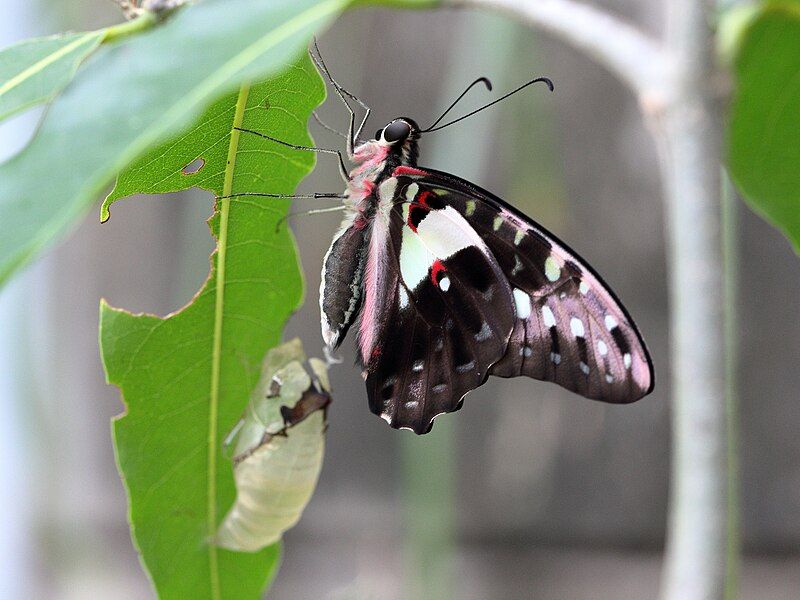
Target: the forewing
(448, 319)
(570, 328)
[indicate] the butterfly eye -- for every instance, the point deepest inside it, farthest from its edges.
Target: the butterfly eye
(378, 134)
(396, 131)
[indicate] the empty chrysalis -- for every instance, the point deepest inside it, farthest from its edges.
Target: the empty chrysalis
(277, 449)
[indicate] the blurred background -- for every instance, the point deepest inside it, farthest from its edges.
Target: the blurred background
(529, 491)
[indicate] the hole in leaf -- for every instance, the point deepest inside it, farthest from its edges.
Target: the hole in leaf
(194, 166)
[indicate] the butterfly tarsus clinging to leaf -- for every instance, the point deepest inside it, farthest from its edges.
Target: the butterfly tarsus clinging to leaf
(448, 284)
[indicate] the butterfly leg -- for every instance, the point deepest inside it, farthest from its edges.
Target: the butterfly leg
(342, 166)
(352, 132)
(314, 196)
(324, 125)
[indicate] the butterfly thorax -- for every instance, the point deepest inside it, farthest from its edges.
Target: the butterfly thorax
(375, 161)
(353, 262)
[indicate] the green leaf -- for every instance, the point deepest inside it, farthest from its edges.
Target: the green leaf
(132, 95)
(187, 378)
(764, 156)
(34, 71)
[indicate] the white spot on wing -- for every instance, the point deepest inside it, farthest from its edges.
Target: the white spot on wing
(551, 269)
(523, 303)
(387, 189)
(444, 232)
(415, 260)
(609, 378)
(484, 334)
(466, 367)
(527, 351)
(555, 357)
(418, 366)
(577, 327)
(444, 284)
(403, 297)
(584, 368)
(518, 266)
(438, 389)
(626, 358)
(470, 208)
(498, 221)
(601, 346)
(411, 192)
(583, 287)
(611, 322)
(518, 237)
(547, 315)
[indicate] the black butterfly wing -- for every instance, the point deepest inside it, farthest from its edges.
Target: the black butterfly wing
(447, 314)
(569, 328)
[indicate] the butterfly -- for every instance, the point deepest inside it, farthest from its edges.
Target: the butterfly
(446, 284)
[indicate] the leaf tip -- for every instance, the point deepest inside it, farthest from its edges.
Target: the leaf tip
(105, 214)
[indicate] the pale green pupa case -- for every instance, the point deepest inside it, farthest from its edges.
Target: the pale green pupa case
(276, 466)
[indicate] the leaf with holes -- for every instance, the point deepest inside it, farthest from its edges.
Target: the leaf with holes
(34, 71)
(765, 117)
(186, 378)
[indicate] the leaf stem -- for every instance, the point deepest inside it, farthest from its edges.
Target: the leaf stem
(216, 357)
(141, 23)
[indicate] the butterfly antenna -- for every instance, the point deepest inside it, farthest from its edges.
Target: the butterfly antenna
(484, 107)
(483, 80)
(320, 62)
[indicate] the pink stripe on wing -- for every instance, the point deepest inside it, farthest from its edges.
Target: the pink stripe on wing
(373, 284)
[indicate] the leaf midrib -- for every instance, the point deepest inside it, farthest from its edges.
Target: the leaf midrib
(216, 355)
(45, 62)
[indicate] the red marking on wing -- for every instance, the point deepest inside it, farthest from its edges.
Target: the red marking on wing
(413, 171)
(436, 268)
(419, 205)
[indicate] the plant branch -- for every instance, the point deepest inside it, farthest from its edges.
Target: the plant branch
(675, 83)
(633, 56)
(691, 142)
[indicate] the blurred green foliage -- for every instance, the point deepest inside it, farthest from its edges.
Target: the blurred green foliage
(34, 71)
(131, 95)
(764, 155)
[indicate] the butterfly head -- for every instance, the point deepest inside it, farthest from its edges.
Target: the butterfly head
(401, 136)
